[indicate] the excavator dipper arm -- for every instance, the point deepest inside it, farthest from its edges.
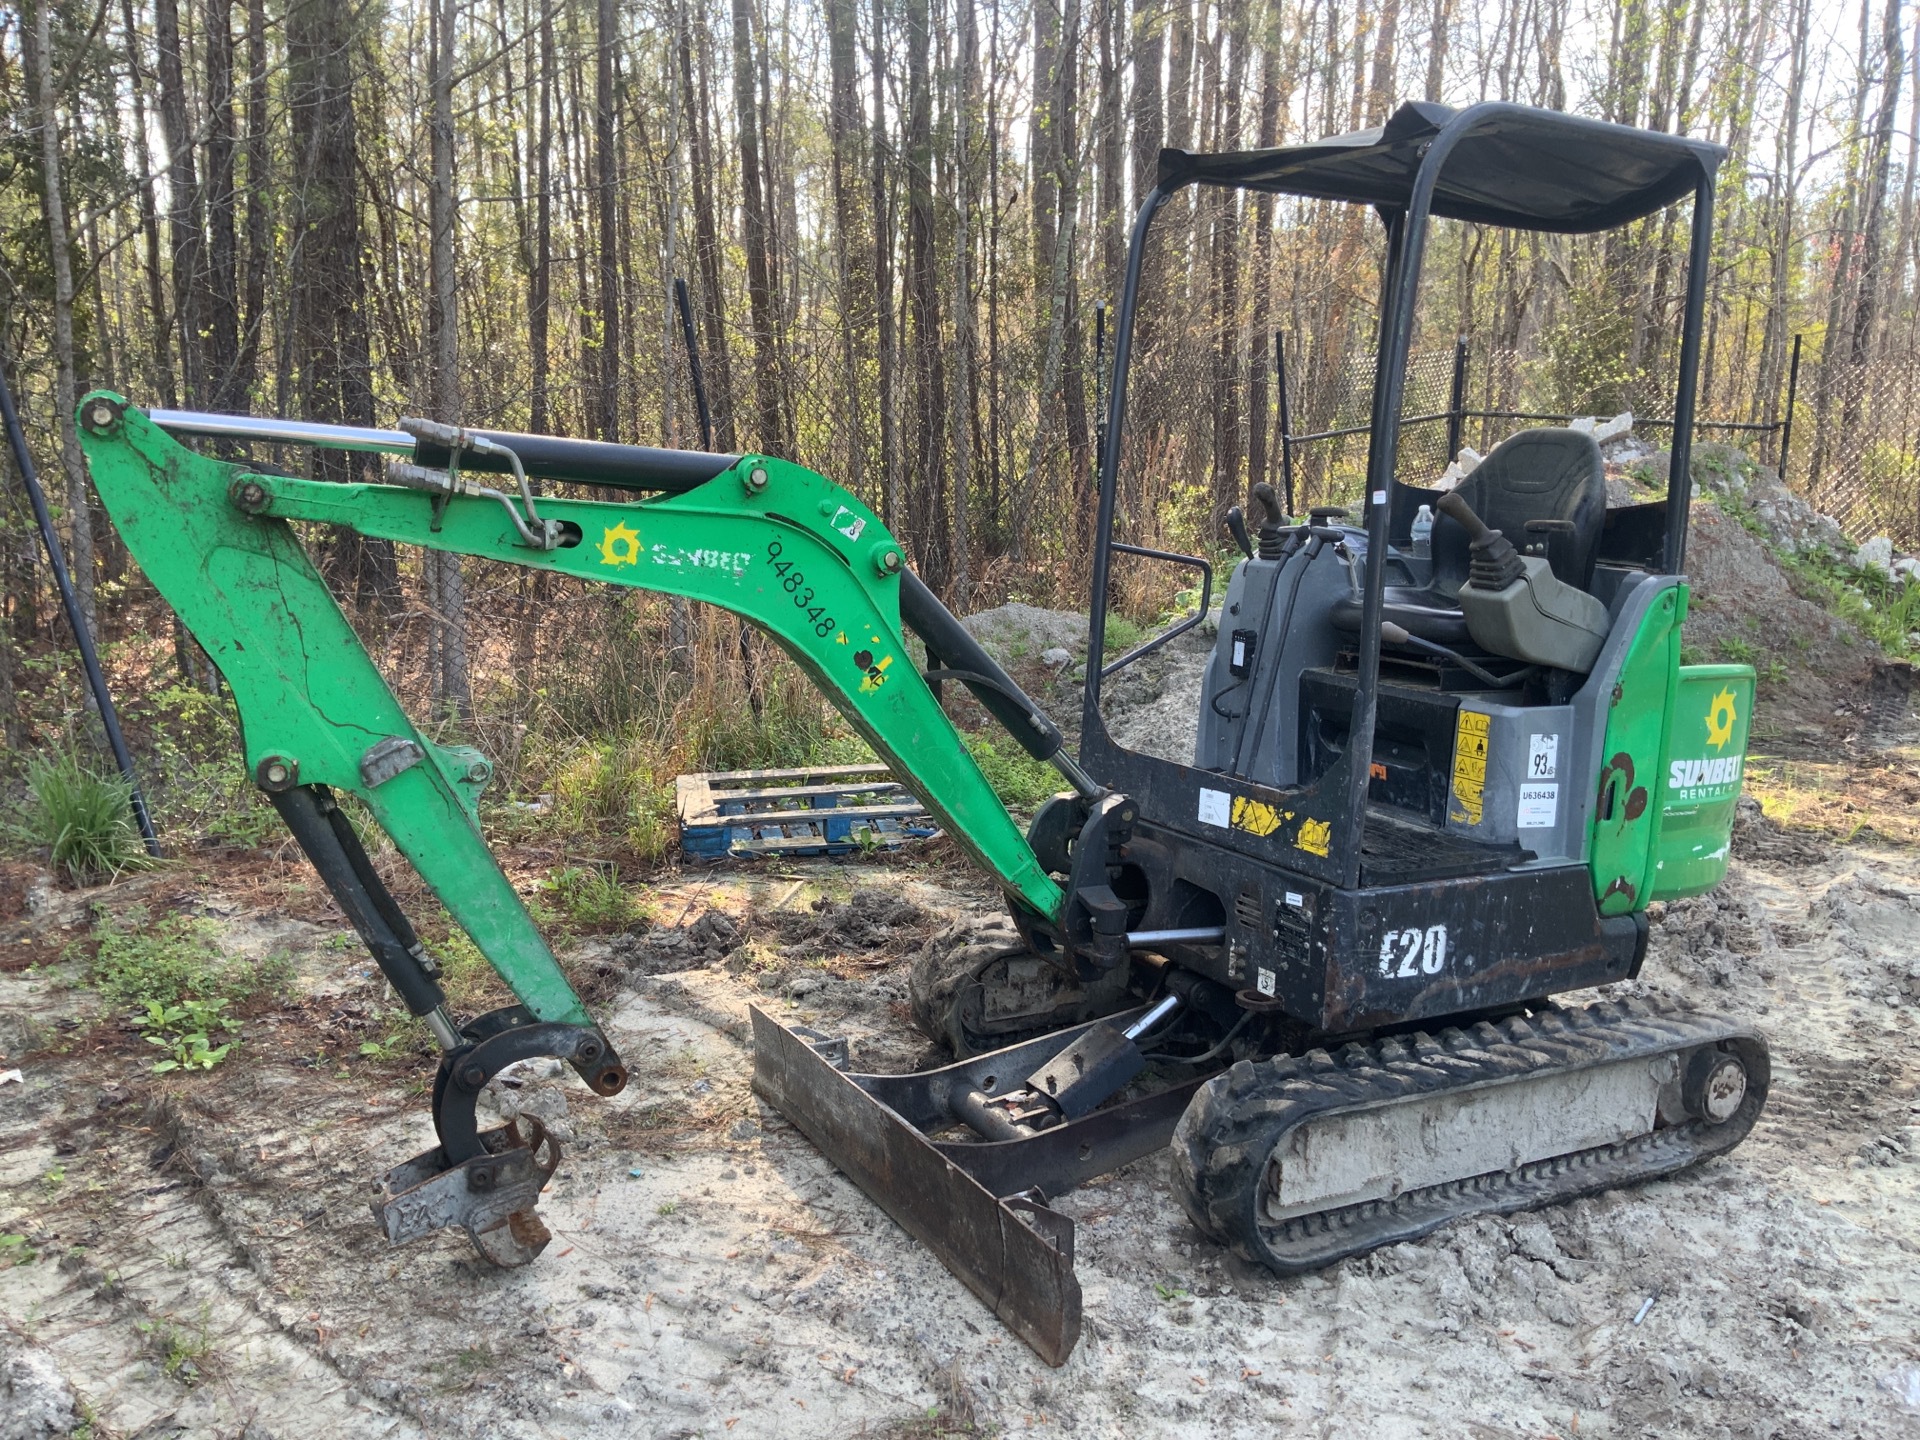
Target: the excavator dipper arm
(775, 543)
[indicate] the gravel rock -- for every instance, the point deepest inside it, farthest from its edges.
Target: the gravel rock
(1014, 630)
(36, 1403)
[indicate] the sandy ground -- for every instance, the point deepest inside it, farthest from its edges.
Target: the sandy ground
(205, 1264)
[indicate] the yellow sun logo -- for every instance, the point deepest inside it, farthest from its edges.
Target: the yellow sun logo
(620, 545)
(1720, 718)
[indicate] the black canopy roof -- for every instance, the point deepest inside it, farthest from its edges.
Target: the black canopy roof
(1517, 167)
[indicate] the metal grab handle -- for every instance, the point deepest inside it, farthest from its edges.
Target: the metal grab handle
(1169, 557)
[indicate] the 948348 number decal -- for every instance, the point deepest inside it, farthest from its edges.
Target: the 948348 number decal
(794, 582)
(1408, 954)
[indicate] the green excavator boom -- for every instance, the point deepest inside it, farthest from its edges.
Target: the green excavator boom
(775, 543)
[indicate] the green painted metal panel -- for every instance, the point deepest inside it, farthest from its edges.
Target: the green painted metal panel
(1701, 769)
(1626, 816)
(306, 689)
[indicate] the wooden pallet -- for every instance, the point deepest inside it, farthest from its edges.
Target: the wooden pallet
(830, 810)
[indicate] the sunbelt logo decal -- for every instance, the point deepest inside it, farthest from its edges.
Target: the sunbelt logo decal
(1710, 777)
(1704, 774)
(1720, 717)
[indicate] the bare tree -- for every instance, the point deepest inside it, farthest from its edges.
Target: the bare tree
(37, 52)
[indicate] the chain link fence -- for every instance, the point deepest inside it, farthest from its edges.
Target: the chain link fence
(1856, 448)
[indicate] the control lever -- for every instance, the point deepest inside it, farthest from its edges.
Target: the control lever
(1237, 527)
(1493, 564)
(1273, 530)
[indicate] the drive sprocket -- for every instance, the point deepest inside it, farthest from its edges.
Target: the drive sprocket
(975, 989)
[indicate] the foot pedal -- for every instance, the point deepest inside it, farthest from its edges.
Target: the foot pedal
(492, 1196)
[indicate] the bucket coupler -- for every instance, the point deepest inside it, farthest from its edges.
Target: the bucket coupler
(980, 1205)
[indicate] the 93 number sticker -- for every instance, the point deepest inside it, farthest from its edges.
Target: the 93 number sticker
(1408, 954)
(795, 584)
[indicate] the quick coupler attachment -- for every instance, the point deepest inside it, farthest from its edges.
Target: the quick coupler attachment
(979, 1204)
(491, 1196)
(489, 1183)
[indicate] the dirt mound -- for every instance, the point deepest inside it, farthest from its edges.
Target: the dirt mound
(1015, 631)
(36, 1403)
(1755, 837)
(1744, 608)
(1153, 705)
(669, 948)
(1723, 939)
(871, 921)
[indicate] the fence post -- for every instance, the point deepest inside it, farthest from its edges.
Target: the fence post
(1786, 423)
(1286, 417)
(1457, 401)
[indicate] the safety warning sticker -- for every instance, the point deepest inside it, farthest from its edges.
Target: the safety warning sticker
(1470, 766)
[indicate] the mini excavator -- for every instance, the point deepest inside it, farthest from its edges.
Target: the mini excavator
(1436, 784)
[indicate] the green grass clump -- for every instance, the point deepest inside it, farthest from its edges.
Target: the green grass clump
(591, 897)
(174, 960)
(81, 817)
(1122, 633)
(1021, 782)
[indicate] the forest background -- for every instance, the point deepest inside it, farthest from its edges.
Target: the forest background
(899, 221)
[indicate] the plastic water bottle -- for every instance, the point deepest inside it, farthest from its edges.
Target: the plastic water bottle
(1422, 529)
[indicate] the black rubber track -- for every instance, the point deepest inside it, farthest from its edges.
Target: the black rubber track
(1237, 1120)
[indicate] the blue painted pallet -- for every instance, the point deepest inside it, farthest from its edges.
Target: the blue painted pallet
(832, 810)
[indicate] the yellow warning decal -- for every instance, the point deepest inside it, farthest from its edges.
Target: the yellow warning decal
(1256, 817)
(1470, 766)
(1313, 837)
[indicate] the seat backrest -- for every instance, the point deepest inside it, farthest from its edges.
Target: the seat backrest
(1544, 474)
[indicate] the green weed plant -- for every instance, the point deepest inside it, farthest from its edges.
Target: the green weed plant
(186, 1033)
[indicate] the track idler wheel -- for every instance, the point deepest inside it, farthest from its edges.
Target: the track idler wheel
(976, 991)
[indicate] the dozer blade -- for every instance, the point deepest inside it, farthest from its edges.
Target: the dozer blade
(980, 1207)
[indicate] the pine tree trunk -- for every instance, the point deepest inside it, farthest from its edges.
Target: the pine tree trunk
(540, 277)
(715, 363)
(253, 322)
(443, 344)
(329, 353)
(158, 310)
(855, 302)
(960, 405)
(883, 280)
(607, 207)
(38, 55)
(927, 497)
(190, 289)
(222, 356)
(766, 364)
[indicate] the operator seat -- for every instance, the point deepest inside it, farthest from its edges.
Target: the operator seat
(1544, 474)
